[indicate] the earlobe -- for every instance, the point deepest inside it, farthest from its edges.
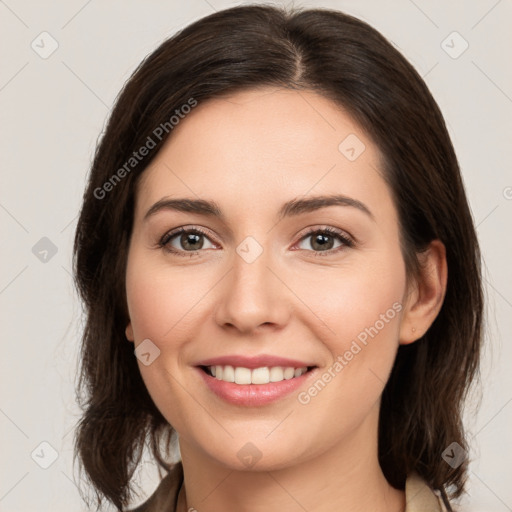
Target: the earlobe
(425, 300)
(129, 332)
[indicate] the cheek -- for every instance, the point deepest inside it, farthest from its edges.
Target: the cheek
(147, 305)
(366, 293)
(365, 317)
(159, 298)
(158, 302)
(361, 307)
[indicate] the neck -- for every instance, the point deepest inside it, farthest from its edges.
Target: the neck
(345, 477)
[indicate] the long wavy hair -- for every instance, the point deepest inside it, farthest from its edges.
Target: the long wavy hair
(350, 63)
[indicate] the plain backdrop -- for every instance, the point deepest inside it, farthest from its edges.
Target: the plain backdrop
(63, 63)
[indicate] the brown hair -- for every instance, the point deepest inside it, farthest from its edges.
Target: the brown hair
(349, 62)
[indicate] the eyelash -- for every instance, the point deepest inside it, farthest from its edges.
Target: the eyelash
(345, 240)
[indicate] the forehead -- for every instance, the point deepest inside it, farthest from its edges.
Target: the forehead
(254, 146)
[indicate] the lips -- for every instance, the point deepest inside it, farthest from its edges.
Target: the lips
(280, 376)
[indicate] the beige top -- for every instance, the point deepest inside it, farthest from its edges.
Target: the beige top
(419, 497)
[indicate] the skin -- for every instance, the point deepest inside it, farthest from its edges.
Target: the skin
(251, 152)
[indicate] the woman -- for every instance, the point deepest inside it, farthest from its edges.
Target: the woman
(313, 349)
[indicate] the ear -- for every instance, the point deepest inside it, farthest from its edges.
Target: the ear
(425, 294)
(129, 332)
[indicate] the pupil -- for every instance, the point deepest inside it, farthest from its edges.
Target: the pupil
(323, 241)
(190, 239)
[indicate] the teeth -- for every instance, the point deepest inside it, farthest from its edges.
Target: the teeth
(289, 373)
(259, 375)
(242, 376)
(264, 375)
(228, 374)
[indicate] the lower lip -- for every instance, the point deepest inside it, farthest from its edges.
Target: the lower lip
(253, 395)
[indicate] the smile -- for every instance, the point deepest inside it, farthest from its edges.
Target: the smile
(254, 381)
(264, 375)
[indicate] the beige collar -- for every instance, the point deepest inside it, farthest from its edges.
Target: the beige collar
(419, 497)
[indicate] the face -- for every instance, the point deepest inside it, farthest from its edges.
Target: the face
(267, 279)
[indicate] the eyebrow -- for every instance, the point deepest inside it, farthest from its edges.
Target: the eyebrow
(291, 208)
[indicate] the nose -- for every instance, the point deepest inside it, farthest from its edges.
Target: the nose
(253, 295)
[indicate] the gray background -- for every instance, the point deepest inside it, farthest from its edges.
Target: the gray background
(53, 110)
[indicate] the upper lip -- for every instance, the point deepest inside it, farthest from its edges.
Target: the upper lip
(253, 362)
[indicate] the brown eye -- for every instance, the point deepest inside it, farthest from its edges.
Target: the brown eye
(191, 241)
(183, 240)
(324, 240)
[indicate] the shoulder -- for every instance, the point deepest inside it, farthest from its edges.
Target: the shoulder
(166, 494)
(419, 497)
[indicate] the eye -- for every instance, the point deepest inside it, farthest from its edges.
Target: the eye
(323, 240)
(189, 241)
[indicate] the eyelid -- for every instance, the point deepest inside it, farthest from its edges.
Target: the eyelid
(311, 230)
(188, 228)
